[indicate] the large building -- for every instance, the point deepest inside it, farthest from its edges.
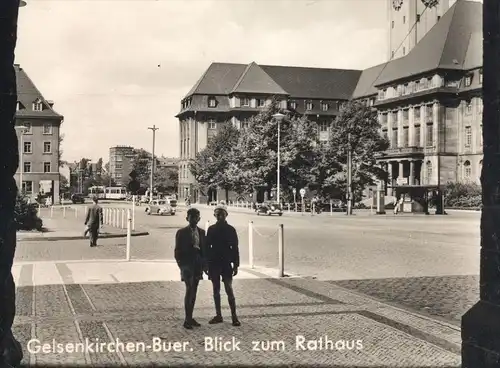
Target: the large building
(38, 129)
(121, 163)
(428, 96)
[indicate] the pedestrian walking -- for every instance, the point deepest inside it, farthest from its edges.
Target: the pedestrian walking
(189, 254)
(223, 261)
(398, 205)
(93, 221)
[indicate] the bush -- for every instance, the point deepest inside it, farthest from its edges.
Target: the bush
(26, 215)
(463, 195)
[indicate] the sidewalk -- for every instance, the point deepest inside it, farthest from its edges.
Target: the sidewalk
(71, 229)
(141, 302)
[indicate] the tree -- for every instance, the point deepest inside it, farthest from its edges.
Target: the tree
(166, 179)
(356, 128)
(99, 167)
(64, 186)
(60, 151)
(142, 166)
(210, 165)
(254, 159)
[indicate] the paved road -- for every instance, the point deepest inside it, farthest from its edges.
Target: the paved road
(429, 263)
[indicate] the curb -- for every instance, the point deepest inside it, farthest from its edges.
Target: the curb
(79, 237)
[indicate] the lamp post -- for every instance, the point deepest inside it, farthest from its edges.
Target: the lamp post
(153, 129)
(279, 117)
(22, 129)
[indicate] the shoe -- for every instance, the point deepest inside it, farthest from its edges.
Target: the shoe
(236, 322)
(187, 325)
(195, 323)
(215, 320)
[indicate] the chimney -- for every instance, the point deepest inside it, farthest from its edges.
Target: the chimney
(51, 103)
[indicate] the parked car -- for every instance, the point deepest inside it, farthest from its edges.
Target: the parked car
(269, 208)
(77, 198)
(160, 207)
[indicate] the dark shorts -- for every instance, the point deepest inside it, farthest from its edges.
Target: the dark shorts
(191, 273)
(224, 271)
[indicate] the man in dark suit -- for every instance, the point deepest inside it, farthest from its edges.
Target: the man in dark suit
(93, 221)
(189, 254)
(223, 261)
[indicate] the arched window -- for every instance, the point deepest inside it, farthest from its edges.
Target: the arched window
(428, 167)
(467, 169)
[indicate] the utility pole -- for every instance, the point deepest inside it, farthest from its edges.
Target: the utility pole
(349, 175)
(153, 129)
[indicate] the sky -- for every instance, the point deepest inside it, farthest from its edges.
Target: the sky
(116, 67)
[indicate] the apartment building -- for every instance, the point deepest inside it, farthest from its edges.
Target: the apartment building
(121, 163)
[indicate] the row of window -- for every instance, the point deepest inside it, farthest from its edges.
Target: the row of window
(28, 147)
(46, 129)
(27, 167)
(308, 105)
(36, 106)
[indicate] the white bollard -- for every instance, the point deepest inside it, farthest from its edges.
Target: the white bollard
(64, 211)
(129, 234)
(133, 212)
(106, 216)
(51, 211)
(250, 243)
(123, 218)
(288, 205)
(281, 252)
(313, 208)
(76, 212)
(331, 208)
(115, 217)
(39, 209)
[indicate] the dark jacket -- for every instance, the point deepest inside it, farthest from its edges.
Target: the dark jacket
(185, 252)
(94, 216)
(222, 245)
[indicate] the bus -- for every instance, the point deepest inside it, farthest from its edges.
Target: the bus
(98, 191)
(119, 193)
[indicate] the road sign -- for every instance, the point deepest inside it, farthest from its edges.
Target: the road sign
(294, 191)
(302, 192)
(402, 181)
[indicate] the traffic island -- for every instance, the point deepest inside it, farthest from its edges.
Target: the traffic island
(24, 236)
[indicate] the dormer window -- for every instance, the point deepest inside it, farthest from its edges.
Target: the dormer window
(468, 80)
(324, 106)
(18, 106)
(309, 105)
(212, 102)
(261, 102)
(293, 105)
(37, 105)
(245, 102)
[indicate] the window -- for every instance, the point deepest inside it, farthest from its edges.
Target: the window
(428, 114)
(245, 102)
(293, 105)
(37, 106)
(27, 147)
(324, 106)
(29, 128)
(416, 112)
(323, 126)
(46, 167)
(47, 147)
(417, 135)
(399, 90)
(430, 138)
(394, 140)
(47, 129)
(27, 187)
(468, 107)
(309, 105)
(405, 115)
(428, 167)
(384, 134)
(468, 136)
(406, 136)
(468, 81)
(27, 167)
(467, 169)
(212, 102)
(212, 125)
(261, 102)
(417, 86)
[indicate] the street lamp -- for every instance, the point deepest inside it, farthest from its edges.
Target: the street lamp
(279, 117)
(153, 129)
(22, 129)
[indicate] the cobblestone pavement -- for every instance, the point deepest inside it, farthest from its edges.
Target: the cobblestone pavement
(276, 314)
(448, 297)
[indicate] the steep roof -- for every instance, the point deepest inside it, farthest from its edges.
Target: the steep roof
(366, 84)
(255, 80)
(218, 79)
(315, 83)
(27, 94)
(446, 46)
